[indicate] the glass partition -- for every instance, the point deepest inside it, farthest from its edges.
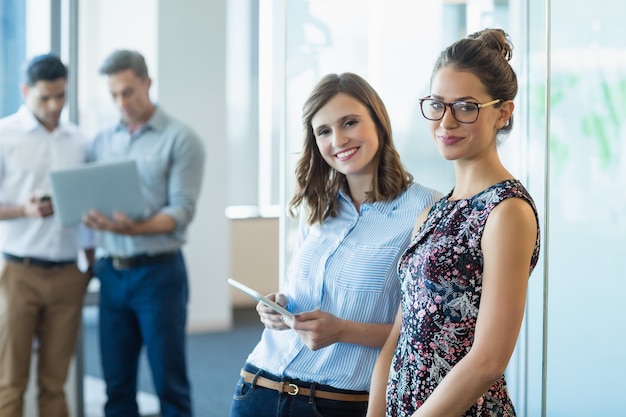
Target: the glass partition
(528, 362)
(587, 200)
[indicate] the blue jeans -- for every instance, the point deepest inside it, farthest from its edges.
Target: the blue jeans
(256, 401)
(145, 305)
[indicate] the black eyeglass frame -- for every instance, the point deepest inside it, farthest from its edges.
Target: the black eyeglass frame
(450, 105)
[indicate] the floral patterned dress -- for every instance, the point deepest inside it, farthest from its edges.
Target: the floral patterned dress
(441, 279)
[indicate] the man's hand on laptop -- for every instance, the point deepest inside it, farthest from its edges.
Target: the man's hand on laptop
(120, 223)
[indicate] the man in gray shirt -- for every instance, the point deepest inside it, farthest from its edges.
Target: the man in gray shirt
(144, 286)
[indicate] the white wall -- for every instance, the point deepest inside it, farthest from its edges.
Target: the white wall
(191, 66)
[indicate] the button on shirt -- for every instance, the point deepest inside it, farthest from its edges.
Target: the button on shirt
(346, 266)
(28, 152)
(170, 160)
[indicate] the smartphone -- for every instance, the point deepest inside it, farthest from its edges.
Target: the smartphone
(260, 297)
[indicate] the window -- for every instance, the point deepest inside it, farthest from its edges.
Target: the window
(99, 23)
(24, 32)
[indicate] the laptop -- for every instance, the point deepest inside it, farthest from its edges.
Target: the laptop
(104, 186)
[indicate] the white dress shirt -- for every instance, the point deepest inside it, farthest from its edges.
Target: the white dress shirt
(28, 152)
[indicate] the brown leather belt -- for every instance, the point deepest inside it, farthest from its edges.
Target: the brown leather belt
(293, 389)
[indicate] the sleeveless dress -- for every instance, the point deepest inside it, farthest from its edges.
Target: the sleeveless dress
(441, 279)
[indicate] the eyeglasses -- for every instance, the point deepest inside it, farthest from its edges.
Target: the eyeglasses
(462, 111)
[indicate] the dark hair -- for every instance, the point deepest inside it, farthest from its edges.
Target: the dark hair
(122, 60)
(486, 54)
(317, 184)
(45, 67)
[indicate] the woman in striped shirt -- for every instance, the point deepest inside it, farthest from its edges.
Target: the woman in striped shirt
(357, 205)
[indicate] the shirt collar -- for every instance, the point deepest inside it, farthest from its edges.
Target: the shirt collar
(383, 207)
(28, 119)
(157, 122)
(30, 123)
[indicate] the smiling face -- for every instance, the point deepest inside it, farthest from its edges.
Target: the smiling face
(460, 141)
(347, 137)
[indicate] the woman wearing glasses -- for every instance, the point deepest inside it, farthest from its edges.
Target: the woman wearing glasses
(464, 275)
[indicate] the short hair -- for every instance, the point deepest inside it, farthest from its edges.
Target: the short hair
(45, 67)
(317, 183)
(486, 54)
(124, 59)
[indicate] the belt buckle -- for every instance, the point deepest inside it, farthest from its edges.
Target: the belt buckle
(118, 263)
(295, 389)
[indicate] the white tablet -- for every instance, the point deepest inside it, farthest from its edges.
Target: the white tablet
(259, 297)
(104, 186)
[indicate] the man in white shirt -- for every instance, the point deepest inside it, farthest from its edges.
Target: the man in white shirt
(41, 287)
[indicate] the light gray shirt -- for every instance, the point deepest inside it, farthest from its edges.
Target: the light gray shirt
(170, 161)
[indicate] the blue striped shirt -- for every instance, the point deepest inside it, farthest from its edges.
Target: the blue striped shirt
(345, 266)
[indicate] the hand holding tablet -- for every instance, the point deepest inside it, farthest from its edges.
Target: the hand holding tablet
(260, 297)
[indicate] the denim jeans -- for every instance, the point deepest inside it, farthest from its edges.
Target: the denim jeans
(256, 401)
(145, 305)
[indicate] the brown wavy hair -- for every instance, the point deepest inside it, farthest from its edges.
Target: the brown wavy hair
(317, 183)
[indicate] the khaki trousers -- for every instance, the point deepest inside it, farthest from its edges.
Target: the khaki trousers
(42, 305)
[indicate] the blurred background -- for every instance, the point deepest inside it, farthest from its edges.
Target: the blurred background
(238, 72)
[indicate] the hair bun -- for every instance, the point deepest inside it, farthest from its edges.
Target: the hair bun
(496, 39)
